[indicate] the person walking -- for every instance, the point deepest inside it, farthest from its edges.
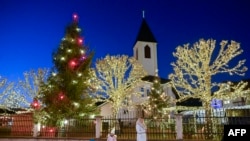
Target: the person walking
(141, 129)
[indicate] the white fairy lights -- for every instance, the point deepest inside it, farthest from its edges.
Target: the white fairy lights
(196, 65)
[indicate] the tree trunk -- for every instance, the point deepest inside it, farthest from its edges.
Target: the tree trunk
(208, 122)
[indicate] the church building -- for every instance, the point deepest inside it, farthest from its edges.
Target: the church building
(145, 51)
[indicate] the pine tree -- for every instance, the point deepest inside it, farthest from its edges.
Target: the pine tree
(65, 94)
(158, 100)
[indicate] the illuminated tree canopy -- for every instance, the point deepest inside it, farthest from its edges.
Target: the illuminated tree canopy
(30, 85)
(20, 94)
(116, 78)
(195, 67)
(5, 88)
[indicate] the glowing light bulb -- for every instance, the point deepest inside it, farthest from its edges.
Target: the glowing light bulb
(73, 63)
(82, 51)
(75, 17)
(82, 58)
(61, 97)
(62, 58)
(78, 29)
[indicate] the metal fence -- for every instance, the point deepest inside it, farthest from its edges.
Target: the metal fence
(160, 129)
(193, 124)
(23, 126)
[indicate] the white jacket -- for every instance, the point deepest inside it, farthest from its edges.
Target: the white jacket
(141, 132)
(112, 138)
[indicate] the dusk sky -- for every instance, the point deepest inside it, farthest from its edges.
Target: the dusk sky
(31, 29)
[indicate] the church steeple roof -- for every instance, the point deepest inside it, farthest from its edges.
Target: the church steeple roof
(145, 33)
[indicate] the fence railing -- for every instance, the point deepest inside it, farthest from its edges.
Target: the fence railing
(192, 126)
(23, 126)
(160, 129)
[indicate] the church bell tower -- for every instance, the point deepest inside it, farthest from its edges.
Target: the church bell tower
(145, 49)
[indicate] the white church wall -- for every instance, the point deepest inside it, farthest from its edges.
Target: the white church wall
(149, 64)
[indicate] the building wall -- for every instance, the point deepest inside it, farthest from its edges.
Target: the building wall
(106, 109)
(149, 64)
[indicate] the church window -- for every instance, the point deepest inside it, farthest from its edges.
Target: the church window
(147, 51)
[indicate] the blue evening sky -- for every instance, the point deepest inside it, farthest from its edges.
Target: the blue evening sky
(31, 29)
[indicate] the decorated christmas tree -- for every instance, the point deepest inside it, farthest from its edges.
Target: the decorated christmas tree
(158, 100)
(65, 94)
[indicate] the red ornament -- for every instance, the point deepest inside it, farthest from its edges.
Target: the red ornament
(35, 104)
(79, 41)
(61, 96)
(73, 63)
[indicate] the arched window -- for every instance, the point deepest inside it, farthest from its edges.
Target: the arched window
(147, 51)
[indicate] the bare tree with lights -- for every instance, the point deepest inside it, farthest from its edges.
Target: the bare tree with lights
(31, 82)
(2, 81)
(195, 67)
(5, 88)
(14, 99)
(21, 94)
(30, 86)
(116, 78)
(11, 97)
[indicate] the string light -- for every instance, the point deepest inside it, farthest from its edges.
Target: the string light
(62, 58)
(69, 50)
(194, 69)
(79, 74)
(83, 58)
(75, 17)
(109, 77)
(82, 51)
(74, 82)
(200, 77)
(78, 29)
